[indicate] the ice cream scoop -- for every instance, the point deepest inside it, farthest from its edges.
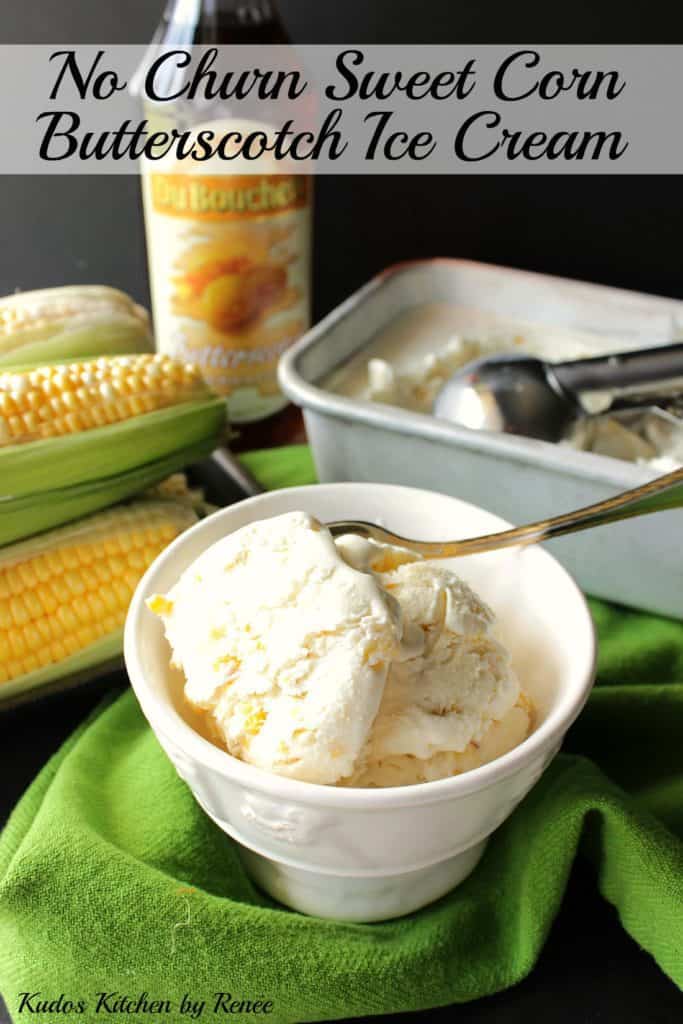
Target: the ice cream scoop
(455, 703)
(348, 663)
(517, 394)
(284, 646)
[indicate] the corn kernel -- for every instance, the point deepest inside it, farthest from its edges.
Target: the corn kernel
(253, 723)
(17, 643)
(60, 590)
(109, 598)
(102, 571)
(14, 584)
(74, 582)
(49, 601)
(19, 611)
(44, 627)
(160, 605)
(58, 651)
(136, 560)
(32, 637)
(30, 664)
(71, 644)
(81, 610)
(123, 592)
(86, 636)
(33, 605)
(66, 617)
(97, 608)
(16, 426)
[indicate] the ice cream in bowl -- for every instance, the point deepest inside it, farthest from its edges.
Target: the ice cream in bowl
(357, 718)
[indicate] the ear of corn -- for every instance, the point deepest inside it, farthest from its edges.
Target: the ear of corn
(64, 595)
(61, 426)
(57, 400)
(70, 323)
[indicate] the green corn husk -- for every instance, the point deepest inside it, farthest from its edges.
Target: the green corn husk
(40, 467)
(98, 531)
(58, 324)
(25, 516)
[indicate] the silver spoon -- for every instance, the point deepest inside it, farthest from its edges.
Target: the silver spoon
(518, 394)
(666, 492)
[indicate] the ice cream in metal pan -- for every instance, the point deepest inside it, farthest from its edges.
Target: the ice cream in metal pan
(518, 394)
(411, 361)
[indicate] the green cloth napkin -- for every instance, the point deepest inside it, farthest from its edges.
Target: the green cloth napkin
(112, 878)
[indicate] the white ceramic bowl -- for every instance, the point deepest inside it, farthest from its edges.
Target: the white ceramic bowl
(357, 854)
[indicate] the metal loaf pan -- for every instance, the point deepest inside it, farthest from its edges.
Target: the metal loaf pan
(637, 563)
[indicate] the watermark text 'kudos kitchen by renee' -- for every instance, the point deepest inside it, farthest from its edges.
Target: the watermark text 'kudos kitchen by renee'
(139, 1006)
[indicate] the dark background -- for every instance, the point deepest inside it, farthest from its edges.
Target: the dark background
(617, 230)
(625, 231)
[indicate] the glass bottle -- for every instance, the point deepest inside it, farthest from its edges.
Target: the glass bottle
(229, 254)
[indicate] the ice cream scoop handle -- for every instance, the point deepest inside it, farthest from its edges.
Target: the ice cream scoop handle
(666, 492)
(621, 370)
(237, 472)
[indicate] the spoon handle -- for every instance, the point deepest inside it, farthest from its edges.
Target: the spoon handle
(622, 369)
(666, 492)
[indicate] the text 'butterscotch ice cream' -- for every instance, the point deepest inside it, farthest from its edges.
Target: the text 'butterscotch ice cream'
(347, 662)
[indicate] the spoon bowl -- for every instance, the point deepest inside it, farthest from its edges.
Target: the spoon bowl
(512, 394)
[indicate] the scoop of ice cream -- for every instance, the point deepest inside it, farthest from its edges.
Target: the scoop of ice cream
(350, 663)
(416, 386)
(406, 770)
(284, 645)
(455, 703)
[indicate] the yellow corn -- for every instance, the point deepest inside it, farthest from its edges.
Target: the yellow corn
(51, 401)
(67, 590)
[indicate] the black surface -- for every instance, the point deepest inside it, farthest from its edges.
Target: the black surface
(620, 231)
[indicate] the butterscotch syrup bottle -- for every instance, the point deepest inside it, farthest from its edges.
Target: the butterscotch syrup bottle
(229, 254)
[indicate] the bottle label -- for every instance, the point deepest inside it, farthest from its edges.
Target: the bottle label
(229, 261)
